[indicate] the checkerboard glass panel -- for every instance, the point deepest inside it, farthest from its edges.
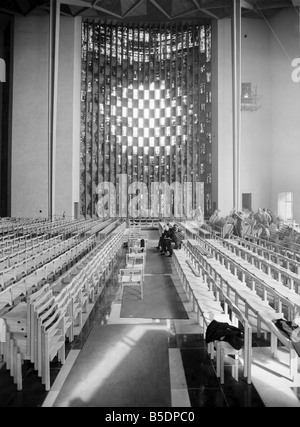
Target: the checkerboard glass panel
(145, 95)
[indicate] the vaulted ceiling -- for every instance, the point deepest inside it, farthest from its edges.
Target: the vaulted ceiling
(149, 10)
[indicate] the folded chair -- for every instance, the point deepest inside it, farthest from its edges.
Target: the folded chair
(22, 334)
(53, 333)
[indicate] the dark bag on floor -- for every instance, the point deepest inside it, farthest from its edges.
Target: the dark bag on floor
(291, 330)
(223, 331)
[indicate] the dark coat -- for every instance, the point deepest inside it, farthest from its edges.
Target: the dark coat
(223, 331)
(291, 330)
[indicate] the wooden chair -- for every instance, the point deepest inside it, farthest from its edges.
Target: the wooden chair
(136, 259)
(224, 349)
(62, 305)
(75, 289)
(21, 334)
(132, 277)
(53, 334)
(136, 249)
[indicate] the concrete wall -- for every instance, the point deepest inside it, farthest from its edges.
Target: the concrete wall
(270, 149)
(285, 110)
(30, 118)
(68, 117)
(256, 124)
(222, 135)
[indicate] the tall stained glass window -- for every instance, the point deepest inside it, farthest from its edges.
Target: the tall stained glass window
(145, 114)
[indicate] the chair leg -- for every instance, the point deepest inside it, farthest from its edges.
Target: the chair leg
(1, 352)
(274, 345)
(62, 355)
(236, 367)
(11, 356)
(218, 360)
(47, 374)
(19, 372)
(293, 359)
(222, 366)
(14, 363)
(7, 351)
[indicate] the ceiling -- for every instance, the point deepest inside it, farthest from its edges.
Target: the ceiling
(149, 10)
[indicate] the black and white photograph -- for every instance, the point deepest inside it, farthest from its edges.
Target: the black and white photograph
(150, 206)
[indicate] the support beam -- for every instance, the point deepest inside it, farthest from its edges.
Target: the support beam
(132, 8)
(207, 12)
(102, 9)
(23, 6)
(86, 5)
(10, 12)
(212, 15)
(236, 95)
(81, 11)
(76, 3)
(161, 9)
(54, 22)
(246, 5)
(46, 8)
(274, 5)
(65, 11)
(218, 4)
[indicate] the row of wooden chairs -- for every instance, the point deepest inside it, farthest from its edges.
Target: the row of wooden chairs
(38, 277)
(84, 227)
(268, 253)
(14, 244)
(188, 229)
(272, 267)
(279, 293)
(253, 303)
(210, 302)
(29, 250)
(293, 253)
(32, 229)
(50, 318)
(52, 267)
(36, 332)
(36, 227)
(11, 225)
(16, 272)
(103, 228)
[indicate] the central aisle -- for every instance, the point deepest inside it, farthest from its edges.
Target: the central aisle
(125, 363)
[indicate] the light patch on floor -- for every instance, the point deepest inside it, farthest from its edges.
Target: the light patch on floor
(179, 390)
(60, 379)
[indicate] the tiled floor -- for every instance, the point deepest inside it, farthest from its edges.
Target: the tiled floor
(193, 377)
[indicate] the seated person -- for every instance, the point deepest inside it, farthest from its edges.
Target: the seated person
(162, 237)
(166, 240)
(178, 237)
(174, 236)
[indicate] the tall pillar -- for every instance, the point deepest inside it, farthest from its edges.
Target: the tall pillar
(52, 108)
(236, 93)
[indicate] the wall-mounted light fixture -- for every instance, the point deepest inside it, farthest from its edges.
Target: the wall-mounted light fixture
(249, 98)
